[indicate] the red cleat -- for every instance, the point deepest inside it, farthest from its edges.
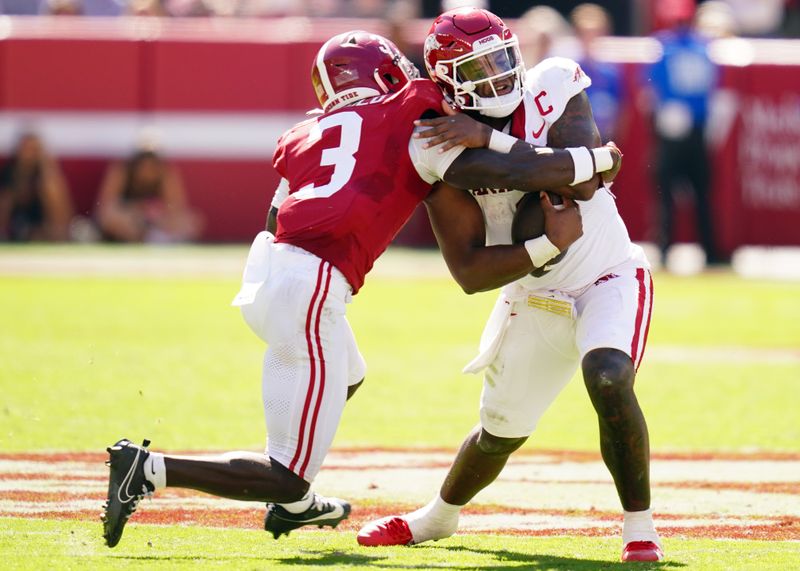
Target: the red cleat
(392, 530)
(642, 551)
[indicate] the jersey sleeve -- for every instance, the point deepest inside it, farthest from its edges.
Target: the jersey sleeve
(560, 79)
(430, 163)
(423, 95)
(279, 156)
(281, 193)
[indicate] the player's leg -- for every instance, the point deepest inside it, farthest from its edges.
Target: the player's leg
(344, 369)
(535, 362)
(245, 476)
(613, 322)
(479, 461)
(698, 170)
(279, 314)
(303, 414)
(293, 379)
(668, 172)
(356, 366)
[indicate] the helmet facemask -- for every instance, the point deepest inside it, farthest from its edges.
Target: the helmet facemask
(489, 79)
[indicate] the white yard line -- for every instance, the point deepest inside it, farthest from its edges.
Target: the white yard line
(538, 493)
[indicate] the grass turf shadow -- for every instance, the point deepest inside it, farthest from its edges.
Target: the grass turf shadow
(504, 560)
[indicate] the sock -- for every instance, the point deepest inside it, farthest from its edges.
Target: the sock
(436, 520)
(300, 505)
(155, 471)
(638, 526)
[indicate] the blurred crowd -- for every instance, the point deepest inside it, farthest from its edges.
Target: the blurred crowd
(141, 199)
(752, 18)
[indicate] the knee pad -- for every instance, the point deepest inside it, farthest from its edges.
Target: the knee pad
(607, 371)
(496, 446)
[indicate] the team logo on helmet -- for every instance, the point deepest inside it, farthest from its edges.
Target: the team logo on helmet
(475, 60)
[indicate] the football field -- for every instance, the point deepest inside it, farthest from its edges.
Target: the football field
(101, 342)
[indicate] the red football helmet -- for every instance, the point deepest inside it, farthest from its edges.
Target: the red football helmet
(356, 65)
(475, 59)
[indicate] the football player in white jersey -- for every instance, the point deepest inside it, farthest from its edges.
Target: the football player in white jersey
(590, 308)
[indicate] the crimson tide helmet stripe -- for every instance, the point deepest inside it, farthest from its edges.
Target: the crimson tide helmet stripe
(323, 72)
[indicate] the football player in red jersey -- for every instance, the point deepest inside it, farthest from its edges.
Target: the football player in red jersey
(589, 309)
(351, 177)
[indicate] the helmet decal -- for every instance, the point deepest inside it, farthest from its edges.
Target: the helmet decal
(356, 65)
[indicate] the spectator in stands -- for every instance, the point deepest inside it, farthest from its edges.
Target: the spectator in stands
(682, 81)
(539, 29)
(190, 8)
(397, 18)
(143, 200)
(758, 18)
(104, 7)
(147, 8)
(62, 7)
(715, 20)
(35, 203)
(606, 94)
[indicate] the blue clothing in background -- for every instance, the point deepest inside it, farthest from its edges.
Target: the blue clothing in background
(605, 95)
(684, 73)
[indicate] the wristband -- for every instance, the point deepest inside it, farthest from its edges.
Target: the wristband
(541, 250)
(501, 142)
(603, 159)
(583, 161)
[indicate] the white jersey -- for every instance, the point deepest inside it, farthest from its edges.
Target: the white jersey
(605, 242)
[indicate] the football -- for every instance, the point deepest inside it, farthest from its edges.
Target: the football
(529, 223)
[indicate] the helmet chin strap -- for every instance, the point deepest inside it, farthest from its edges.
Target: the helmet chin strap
(501, 106)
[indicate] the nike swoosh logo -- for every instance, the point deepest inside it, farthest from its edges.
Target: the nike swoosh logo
(539, 132)
(127, 480)
(337, 512)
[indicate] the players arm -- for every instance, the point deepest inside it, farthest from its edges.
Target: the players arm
(524, 166)
(272, 220)
(281, 194)
(458, 224)
(576, 126)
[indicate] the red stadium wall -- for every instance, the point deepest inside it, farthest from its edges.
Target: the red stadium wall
(222, 91)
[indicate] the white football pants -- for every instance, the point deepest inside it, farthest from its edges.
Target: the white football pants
(295, 302)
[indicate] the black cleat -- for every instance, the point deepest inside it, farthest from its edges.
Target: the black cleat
(126, 486)
(323, 511)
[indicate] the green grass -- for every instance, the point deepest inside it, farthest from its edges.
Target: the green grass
(87, 359)
(32, 544)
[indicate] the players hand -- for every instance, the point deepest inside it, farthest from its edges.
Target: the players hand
(616, 154)
(562, 225)
(453, 129)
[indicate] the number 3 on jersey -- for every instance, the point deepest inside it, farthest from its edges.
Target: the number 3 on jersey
(340, 157)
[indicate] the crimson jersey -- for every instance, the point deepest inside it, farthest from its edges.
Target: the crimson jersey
(352, 183)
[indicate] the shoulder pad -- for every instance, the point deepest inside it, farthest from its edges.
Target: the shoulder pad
(557, 70)
(559, 79)
(424, 94)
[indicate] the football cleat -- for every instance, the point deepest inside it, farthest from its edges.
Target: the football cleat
(391, 530)
(323, 512)
(126, 487)
(642, 551)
